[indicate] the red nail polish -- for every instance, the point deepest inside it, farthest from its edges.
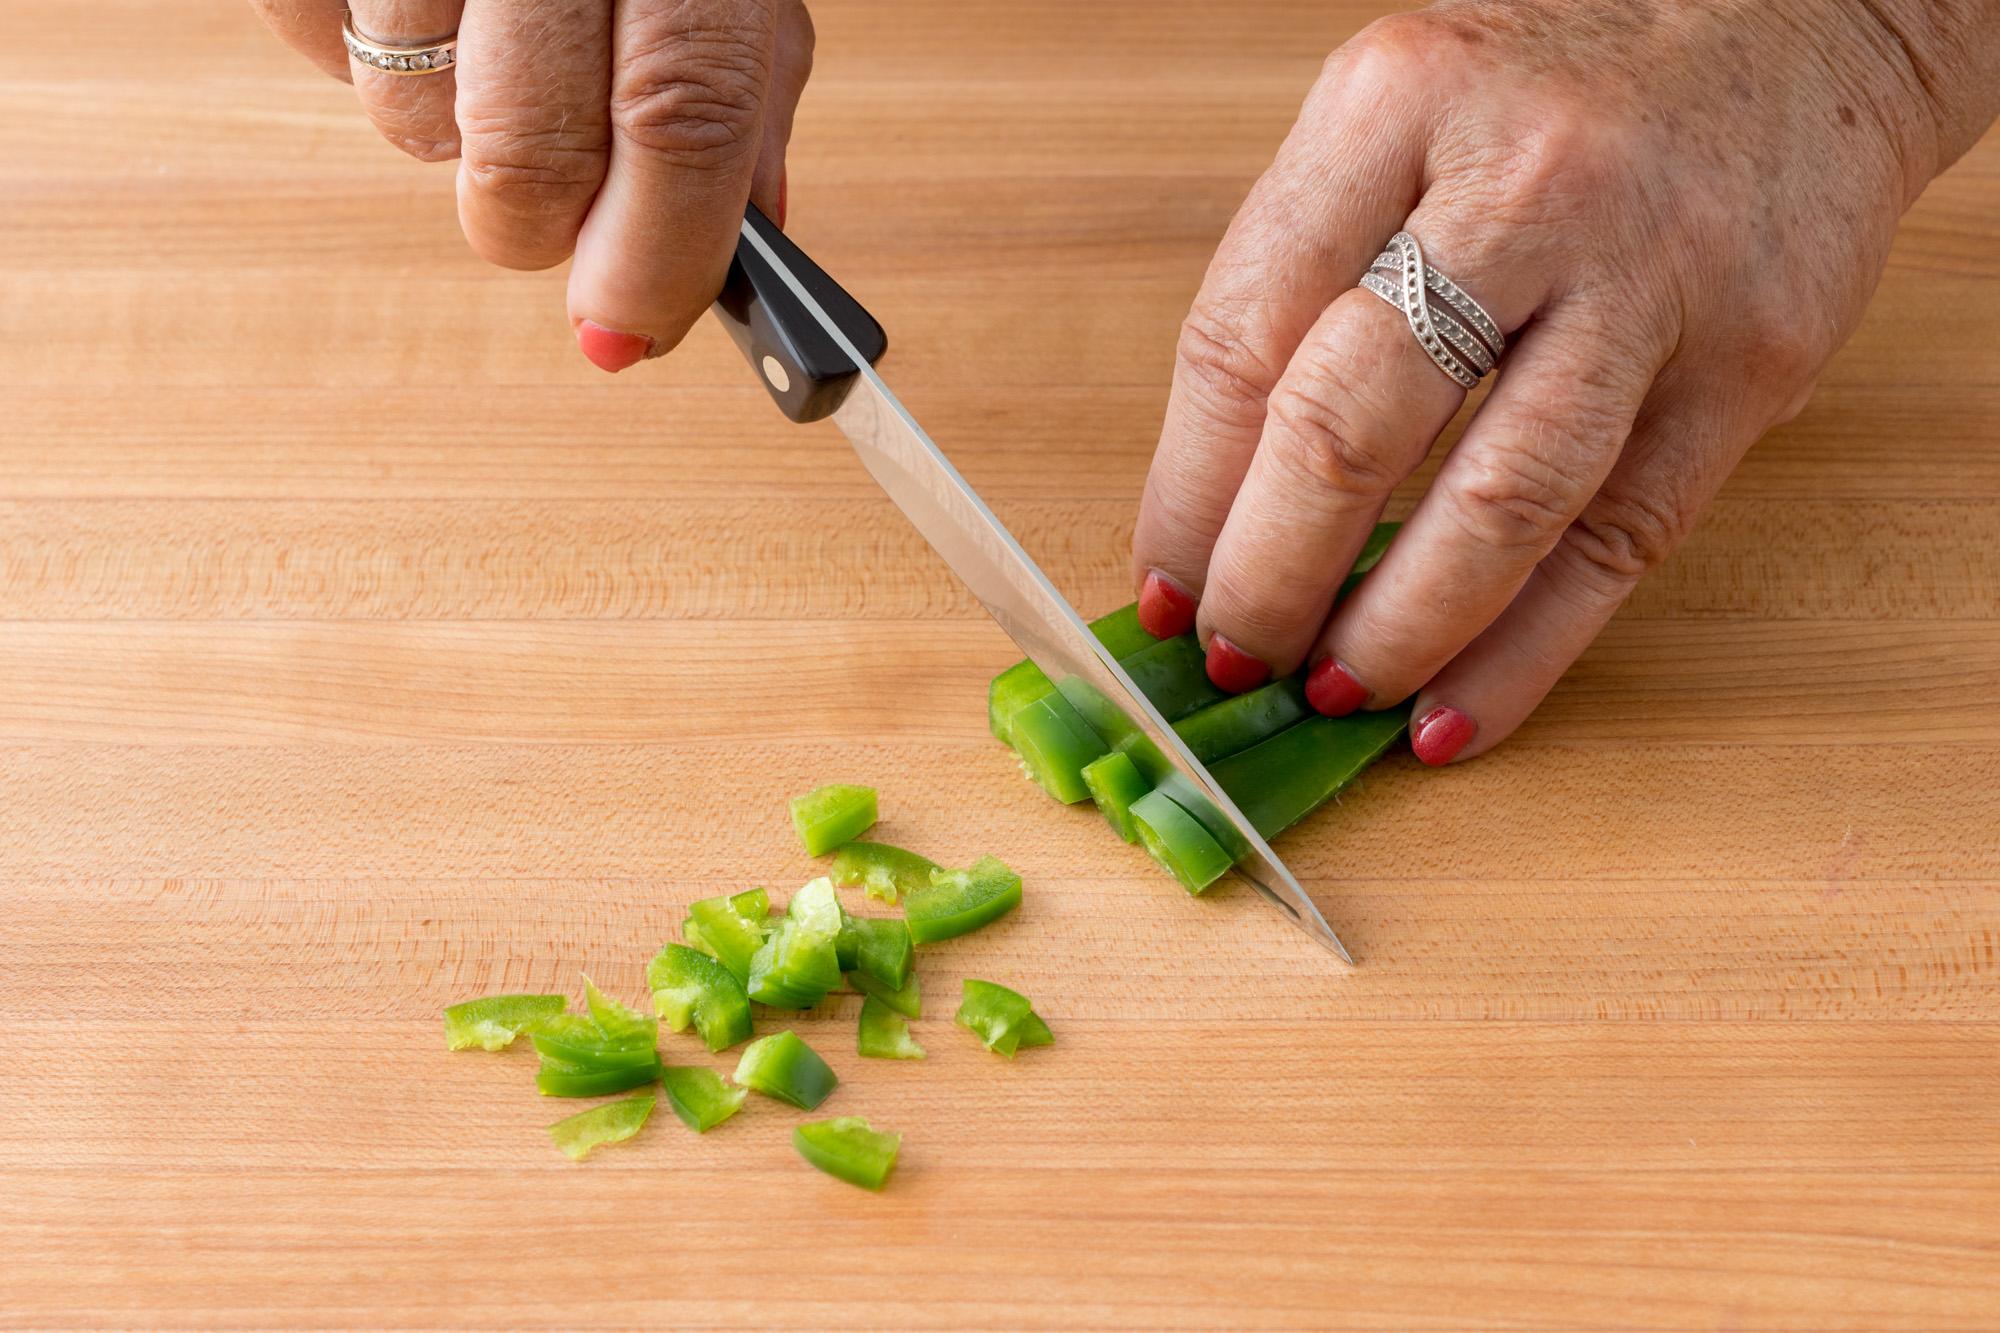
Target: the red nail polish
(1165, 608)
(1333, 690)
(784, 197)
(609, 349)
(1440, 734)
(1232, 669)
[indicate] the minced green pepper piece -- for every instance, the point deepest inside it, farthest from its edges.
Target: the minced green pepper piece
(611, 1123)
(885, 872)
(699, 1096)
(960, 901)
(1287, 777)
(1115, 782)
(616, 1021)
(1177, 841)
(828, 816)
(730, 930)
(1054, 743)
(908, 1001)
(561, 1078)
(1244, 720)
(884, 1035)
(690, 987)
(783, 1066)
(1001, 1018)
(800, 963)
(493, 1022)
(879, 948)
(577, 1041)
(848, 1148)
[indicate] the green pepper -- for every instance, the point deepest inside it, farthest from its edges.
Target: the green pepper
(847, 1148)
(1003, 1019)
(1173, 673)
(1177, 841)
(960, 901)
(617, 1022)
(611, 1123)
(884, 1035)
(1054, 743)
(730, 930)
(800, 963)
(561, 1078)
(1243, 720)
(876, 947)
(883, 871)
(1371, 555)
(1024, 682)
(828, 816)
(492, 1023)
(690, 987)
(783, 1066)
(1114, 784)
(699, 1096)
(574, 1040)
(1287, 777)
(908, 1001)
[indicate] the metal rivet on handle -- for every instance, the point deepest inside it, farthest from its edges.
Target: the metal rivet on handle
(774, 371)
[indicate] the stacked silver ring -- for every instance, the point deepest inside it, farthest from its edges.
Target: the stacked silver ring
(403, 61)
(1457, 333)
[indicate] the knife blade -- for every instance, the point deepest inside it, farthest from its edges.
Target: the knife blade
(950, 515)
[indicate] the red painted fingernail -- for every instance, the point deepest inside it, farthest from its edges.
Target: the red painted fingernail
(609, 349)
(1440, 734)
(1333, 690)
(1233, 669)
(784, 197)
(1165, 608)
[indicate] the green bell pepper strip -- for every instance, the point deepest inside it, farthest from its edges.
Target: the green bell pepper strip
(560, 1078)
(1115, 782)
(828, 816)
(699, 1096)
(877, 948)
(1024, 682)
(884, 1035)
(1176, 839)
(908, 1001)
(884, 872)
(999, 1017)
(1244, 720)
(730, 930)
(611, 1123)
(800, 963)
(1173, 673)
(848, 1148)
(617, 1022)
(1035, 1032)
(784, 1067)
(961, 901)
(1287, 777)
(577, 1041)
(493, 1022)
(1054, 743)
(1371, 555)
(689, 987)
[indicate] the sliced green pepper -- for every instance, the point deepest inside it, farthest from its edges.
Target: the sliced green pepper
(1054, 743)
(1287, 777)
(800, 963)
(1244, 720)
(576, 1041)
(1177, 841)
(960, 901)
(492, 1023)
(875, 947)
(612, 1123)
(730, 930)
(1024, 682)
(908, 1001)
(847, 1148)
(884, 1035)
(699, 1096)
(1173, 673)
(1002, 1019)
(783, 1066)
(885, 872)
(690, 987)
(828, 816)
(561, 1078)
(617, 1022)
(1115, 782)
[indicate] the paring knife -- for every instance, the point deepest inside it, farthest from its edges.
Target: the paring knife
(815, 349)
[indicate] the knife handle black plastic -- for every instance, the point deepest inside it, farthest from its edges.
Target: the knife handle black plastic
(804, 369)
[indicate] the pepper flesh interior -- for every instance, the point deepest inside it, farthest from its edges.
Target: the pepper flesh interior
(493, 1022)
(1002, 1019)
(883, 1035)
(783, 1066)
(689, 987)
(800, 962)
(699, 1096)
(884, 872)
(908, 1001)
(611, 1123)
(961, 901)
(825, 817)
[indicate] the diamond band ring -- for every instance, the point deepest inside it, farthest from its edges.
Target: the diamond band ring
(1457, 332)
(403, 61)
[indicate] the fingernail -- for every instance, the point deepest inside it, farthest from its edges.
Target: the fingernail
(784, 197)
(1232, 669)
(1165, 608)
(1333, 690)
(1440, 734)
(610, 350)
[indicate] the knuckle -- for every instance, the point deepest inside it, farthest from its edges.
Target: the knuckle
(1323, 441)
(1512, 500)
(1217, 367)
(423, 147)
(1621, 538)
(556, 168)
(693, 97)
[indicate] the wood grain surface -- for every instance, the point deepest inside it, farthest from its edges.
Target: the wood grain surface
(362, 649)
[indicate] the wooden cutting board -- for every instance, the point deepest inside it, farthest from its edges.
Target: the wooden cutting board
(362, 649)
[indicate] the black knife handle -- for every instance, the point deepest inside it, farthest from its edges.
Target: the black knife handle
(804, 369)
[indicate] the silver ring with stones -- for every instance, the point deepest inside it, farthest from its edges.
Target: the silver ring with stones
(401, 61)
(1456, 332)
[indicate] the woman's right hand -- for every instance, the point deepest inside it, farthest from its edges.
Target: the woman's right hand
(630, 134)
